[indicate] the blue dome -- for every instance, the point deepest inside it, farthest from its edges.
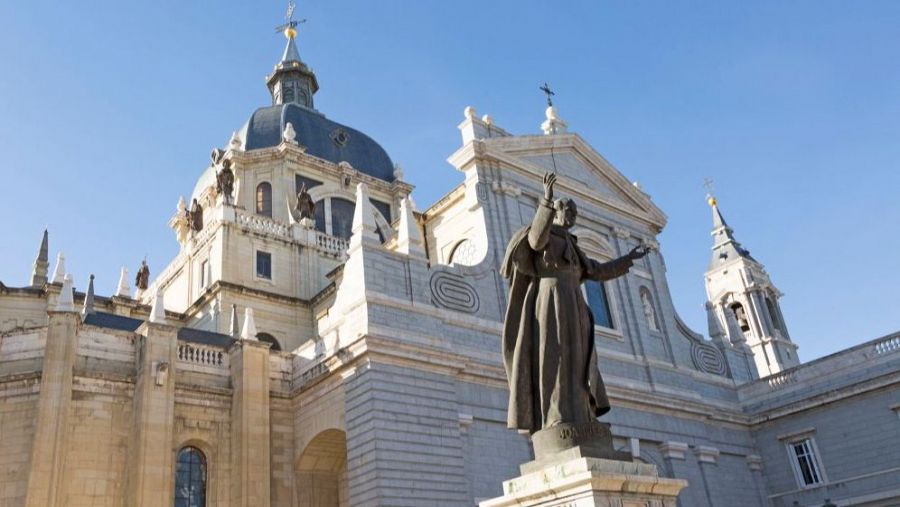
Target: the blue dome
(322, 138)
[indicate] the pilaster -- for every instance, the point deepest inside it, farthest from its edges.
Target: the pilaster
(54, 411)
(151, 457)
(250, 440)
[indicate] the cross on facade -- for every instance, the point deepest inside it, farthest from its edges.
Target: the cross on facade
(546, 89)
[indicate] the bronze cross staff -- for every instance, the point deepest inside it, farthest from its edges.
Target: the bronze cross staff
(546, 89)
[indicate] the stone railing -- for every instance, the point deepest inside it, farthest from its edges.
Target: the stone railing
(780, 380)
(887, 345)
(331, 245)
(203, 358)
(264, 225)
(865, 355)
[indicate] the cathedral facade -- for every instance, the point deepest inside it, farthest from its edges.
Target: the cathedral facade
(320, 341)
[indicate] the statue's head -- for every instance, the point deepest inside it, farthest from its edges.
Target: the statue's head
(566, 212)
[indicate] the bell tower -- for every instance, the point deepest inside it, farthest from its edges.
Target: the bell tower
(745, 300)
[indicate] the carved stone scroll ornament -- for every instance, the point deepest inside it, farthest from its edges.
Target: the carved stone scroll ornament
(451, 291)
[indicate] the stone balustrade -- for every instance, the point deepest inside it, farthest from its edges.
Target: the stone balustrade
(264, 225)
(203, 358)
(806, 374)
(887, 345)
(780, 380)
(331, 245)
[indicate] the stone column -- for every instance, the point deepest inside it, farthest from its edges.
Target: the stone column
(151, 456)
(54, 409)
(250, 439)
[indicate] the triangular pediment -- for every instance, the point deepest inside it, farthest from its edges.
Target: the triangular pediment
(578, 164)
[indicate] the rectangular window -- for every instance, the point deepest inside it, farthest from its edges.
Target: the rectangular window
(264, 265)
(599, 303)
(805, 462)
(204, 274)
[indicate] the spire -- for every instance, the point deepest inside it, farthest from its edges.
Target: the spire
(235, 330)
(158, 308)
(59, 272)
(725, 246)
(409, 238)
(712, 322)
(364, 226)
(39, 269)
(124, 289)
(66, 301)
(292, 81)
(249, 330)
(290, 51)
(88, 307)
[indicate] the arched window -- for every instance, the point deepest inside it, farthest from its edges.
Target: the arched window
(342, 217)
(599, 303)
(190, 478)
(741, 316)
(288, 92)
(465, 253)
(267, 338)
(264, 199)
(773, 312)
(320, 216)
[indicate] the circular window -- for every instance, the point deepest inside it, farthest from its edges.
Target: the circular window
(465, 253)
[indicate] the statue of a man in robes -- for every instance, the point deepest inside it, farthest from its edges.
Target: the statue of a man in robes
(142, 278)
(195, 216)
(548, 332)
(225, 181)
(306, 207)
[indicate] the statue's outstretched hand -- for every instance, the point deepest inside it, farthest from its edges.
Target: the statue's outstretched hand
(549, 181)
(638, 252)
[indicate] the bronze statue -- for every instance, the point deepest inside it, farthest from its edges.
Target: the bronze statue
(548, 332)
(225, 181)
(142, 278)
(195, 216)
(306, 207)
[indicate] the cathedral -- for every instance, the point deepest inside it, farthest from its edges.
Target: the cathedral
(320, 340)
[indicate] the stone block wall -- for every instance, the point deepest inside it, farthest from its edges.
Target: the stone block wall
(18, 408)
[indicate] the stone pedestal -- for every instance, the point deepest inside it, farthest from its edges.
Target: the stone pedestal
(589, 482)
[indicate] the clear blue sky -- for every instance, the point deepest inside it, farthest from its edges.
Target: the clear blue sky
(108, 112)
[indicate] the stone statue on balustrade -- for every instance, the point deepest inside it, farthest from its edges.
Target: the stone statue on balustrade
(142, 278)
(304, 209)
(556, 390)
(225, 182)
(195, 216)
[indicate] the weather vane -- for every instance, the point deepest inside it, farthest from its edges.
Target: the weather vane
(290, 28)
(546, 89)
(709, 185)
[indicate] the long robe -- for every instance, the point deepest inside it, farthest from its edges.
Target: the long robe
(548, 332)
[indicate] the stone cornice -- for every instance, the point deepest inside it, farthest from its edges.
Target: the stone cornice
(288, 153)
